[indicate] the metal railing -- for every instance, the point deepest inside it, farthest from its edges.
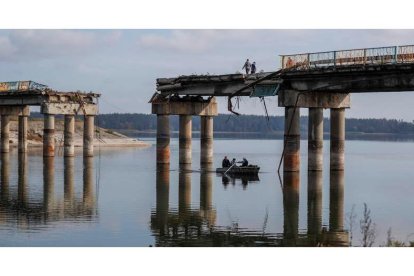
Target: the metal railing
(367, 56)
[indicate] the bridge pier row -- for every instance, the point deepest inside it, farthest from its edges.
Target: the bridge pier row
(291, 159)
(69, 131)
(49, 135)
(185, 139)
(315, 139)
(185, 108)
(5, 133)
(337, 150)
(315, 101)
(163, 139)
(206, 141)
(22, 134)
(88, 135)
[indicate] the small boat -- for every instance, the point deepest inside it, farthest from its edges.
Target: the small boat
(238, 170)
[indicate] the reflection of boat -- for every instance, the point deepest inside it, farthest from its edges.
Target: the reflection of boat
(236, 170)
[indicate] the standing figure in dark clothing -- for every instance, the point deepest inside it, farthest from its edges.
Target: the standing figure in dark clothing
(254, 67)
(225, 163)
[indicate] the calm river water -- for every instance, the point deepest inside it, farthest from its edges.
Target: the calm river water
(119, 199)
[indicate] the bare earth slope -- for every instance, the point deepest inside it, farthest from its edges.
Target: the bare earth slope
(103, 137)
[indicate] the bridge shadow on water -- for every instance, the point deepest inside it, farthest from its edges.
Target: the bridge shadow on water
(189, 226)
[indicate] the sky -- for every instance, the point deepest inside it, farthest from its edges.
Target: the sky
(123, 64)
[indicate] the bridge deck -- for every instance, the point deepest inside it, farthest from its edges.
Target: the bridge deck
(355, 78)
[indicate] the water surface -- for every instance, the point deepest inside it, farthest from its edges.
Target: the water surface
(119, 198)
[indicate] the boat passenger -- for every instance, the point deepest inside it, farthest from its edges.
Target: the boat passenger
(233, 161)
(225, 163)
(245, 163)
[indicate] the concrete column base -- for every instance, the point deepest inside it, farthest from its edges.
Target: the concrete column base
(206, 140)
(88, 135)
(291, 160)
(315, 139)
(49, 135)
(5, 133)
(337, 150)
(163, 139)
(22, 135)
(68, 144)
(185, 139)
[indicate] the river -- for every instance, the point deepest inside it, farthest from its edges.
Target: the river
(118, 198)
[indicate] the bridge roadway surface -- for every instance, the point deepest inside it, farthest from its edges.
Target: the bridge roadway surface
(342, 79)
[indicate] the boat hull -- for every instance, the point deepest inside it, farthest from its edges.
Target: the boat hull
(249, 170)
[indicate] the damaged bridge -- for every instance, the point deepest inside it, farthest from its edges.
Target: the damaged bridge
(16, 99)
(311, 80)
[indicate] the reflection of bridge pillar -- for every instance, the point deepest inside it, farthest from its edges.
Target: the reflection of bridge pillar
(48, 182)
(88, 183)
(22, 135)
(22, 179)
(163, 191)
(336, 201)
(315, 183)
(185, 139)
(184, 191)
(291, 160)
(291, 185)
(163, 139)
(5, 133)
(337, 139)
(315, 139)
(49, 135)
(69, 147)
(206, 194)
(206, 140)
(68, 185)
(88, 135)
(5, 176)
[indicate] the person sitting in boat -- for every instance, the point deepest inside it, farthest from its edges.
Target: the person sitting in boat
(225, 163)
(244, 163)
(233, 162)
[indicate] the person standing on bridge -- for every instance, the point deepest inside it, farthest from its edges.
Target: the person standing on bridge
(253, 67)
(247, 65)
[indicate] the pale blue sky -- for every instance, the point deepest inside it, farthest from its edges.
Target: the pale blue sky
(124, 64)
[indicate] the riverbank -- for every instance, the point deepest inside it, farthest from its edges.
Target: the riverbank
(103, 137)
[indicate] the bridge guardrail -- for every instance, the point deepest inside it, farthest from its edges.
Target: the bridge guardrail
(19, 86)
(366, 56)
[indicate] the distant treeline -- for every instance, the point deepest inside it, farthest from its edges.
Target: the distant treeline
(249, 123)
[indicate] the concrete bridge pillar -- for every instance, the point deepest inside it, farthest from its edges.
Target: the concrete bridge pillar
(48, 183)
(69, 131)
(22, 195)
(88, 135)
(291, 160)
(184, 190)
(5, 133)
(22, 135)
(206, 194)
(163, 139)
(68, 181)
(185, 139)
(337, 152)
(206, 140)
(162, 198)
(88, 183)
(315, 139)
(315, 184)
(336, 201)
(5, 176)
(291, 188)
(49, 135)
